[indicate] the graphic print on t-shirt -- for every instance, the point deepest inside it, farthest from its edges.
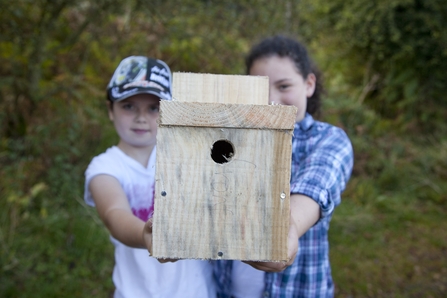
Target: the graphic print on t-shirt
(143, 206)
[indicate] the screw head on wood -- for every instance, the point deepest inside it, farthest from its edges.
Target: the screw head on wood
(163, 193)
(220, 253)
(283, 196)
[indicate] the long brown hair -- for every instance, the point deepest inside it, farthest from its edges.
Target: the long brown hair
(287, 47)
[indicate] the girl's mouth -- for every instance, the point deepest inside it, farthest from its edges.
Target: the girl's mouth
(140, 131)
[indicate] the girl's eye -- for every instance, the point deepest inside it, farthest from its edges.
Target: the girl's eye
(154, 108)
(283, 87)
(127, 106)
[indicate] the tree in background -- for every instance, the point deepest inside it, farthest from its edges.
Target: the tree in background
(395, 50)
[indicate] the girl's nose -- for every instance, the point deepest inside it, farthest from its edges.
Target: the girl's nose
(141, 117)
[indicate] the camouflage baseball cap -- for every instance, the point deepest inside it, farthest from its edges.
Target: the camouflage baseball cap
(139, 75)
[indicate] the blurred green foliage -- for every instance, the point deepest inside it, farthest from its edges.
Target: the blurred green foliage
(395, 50)
(384, 64)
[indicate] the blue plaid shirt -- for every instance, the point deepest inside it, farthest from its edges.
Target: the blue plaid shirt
(322, 160)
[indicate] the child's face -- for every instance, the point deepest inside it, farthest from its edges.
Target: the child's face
(135, 120)
(287, 85)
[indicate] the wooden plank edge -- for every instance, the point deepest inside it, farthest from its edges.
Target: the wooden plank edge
(220, 115)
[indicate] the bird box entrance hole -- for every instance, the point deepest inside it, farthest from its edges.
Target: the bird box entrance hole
(222, 151)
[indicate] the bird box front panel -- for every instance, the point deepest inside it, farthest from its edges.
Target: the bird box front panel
(222, 193)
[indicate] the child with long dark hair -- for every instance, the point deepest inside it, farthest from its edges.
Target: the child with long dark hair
(322, 161)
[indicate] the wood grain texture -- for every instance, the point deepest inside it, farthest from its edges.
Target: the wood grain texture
(235, 206)
(235, 210)
(227, 115)
(196, 87)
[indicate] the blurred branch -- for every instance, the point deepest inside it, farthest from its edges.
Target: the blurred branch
(49, 15)
(371, 85)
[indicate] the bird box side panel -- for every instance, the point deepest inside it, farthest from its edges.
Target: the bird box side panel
(224, 205)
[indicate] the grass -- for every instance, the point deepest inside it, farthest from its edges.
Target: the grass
(64, 254)
(389, 249)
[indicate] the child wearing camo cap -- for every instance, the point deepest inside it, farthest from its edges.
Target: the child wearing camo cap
(120, 183)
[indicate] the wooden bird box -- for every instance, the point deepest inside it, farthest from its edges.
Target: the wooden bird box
(223, 170)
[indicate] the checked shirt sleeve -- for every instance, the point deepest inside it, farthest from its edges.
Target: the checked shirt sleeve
(321, 165)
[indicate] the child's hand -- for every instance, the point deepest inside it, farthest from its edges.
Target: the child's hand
(304, 213)
(292, 245)
(147, 238)
(147, 235)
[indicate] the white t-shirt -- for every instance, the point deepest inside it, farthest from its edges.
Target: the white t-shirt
(135, 273)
